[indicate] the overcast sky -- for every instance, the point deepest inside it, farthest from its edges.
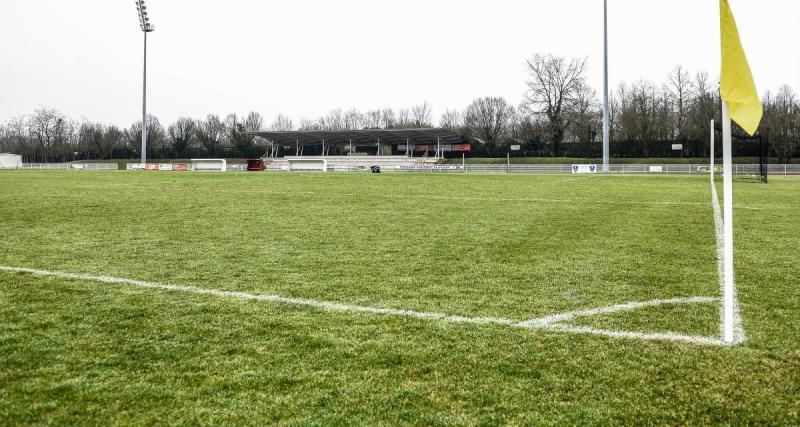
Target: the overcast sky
(304, 57)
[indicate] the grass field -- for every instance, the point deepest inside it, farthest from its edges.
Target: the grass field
(79, 350)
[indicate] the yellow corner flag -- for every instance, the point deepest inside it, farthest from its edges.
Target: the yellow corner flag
(737, 86)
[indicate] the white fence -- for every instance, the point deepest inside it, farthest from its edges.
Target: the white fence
(650, 169)
(638, 169)
(71, 166)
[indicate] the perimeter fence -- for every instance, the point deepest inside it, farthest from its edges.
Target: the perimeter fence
(632, 169)
(71, 166)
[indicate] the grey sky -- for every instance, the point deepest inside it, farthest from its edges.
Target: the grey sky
(304, 57)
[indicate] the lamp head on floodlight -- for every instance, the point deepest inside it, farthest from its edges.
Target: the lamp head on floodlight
(144, 20)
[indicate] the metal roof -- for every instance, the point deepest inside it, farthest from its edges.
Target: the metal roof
(362, 136)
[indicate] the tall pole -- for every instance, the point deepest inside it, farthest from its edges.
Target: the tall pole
(144, 104)
(144, 24)
(727, 165)
(606, 127)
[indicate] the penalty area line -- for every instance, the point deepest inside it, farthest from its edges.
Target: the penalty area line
(552, 323)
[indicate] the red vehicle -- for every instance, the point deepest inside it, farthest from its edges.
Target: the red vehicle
(256, 165)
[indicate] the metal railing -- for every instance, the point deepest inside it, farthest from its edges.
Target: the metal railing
(632, 169)
(71, 166)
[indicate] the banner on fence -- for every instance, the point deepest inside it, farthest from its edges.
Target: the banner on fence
(165, 167)
(446, 148)
(584, 168)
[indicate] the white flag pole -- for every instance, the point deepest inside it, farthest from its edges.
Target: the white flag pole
(712, 149)
(727, 166)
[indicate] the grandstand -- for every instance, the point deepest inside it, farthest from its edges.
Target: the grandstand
(354, 163)
(431, 142)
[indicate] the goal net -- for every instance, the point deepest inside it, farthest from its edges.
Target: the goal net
(750, 155)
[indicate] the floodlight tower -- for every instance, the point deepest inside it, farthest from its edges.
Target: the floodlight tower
(606, 130)
(144, 24)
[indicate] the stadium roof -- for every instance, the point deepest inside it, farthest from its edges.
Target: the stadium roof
(362, 136)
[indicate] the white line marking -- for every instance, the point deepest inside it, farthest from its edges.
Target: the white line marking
(738, 328)
(545, 323)
(572, 315)
(655, 336)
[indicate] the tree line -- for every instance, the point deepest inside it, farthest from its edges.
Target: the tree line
(560, 115)
(47, 135)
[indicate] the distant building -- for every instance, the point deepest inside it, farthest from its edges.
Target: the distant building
(430, 142)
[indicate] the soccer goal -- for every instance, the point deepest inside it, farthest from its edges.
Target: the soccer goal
(751, 154)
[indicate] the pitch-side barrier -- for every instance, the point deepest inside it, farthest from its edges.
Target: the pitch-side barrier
(70, 166)
(632, 169)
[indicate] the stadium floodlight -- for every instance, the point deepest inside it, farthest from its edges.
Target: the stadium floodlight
(606, 130)
(147, 27)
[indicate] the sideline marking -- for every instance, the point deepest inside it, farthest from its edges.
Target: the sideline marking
(738, 328)
(553, 322)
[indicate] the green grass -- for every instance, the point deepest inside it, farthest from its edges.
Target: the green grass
(518, 247)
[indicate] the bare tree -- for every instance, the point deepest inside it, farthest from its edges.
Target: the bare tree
(210, 133)
(679, 89)
(47, 128)
(114, 138)
(372, 119)
(490, 121)
(641, 115)
(421, 115)
(155, 136)
(353, 119)
(282, 123)
(584, 116)
(403, 119)
(334, 120)
(703, 108)
(91, 139)
(236, 137)
(388, 118)
(782, 118)
(17, 135)
(5, 137)
(182, 135)
(253, 122)
(451, 119)
(309, 125)
(552, 90)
